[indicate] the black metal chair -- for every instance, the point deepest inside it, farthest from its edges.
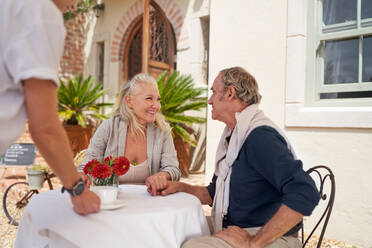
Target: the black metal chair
(323, 174)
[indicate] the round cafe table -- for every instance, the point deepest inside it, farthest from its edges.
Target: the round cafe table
(143, 221)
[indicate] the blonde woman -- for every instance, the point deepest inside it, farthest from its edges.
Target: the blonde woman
(139, 132)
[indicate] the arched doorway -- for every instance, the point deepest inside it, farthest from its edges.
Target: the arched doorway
(160, 45)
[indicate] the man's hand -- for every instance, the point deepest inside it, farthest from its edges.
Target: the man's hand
(172, 187)
(235, 236)
(157, 182)
(86, 203)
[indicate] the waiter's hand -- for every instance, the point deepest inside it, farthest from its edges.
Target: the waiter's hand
(86, 203)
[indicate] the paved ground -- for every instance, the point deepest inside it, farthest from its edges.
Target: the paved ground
(8, 232)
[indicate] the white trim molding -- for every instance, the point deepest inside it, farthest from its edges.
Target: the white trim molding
(346, 117)
(299, 111)
(103, 37)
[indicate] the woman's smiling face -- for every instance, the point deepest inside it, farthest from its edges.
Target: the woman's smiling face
(145, 102)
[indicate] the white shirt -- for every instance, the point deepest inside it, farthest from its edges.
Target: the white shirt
(32, 35)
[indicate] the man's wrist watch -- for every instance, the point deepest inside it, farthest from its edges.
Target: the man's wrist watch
(77, 189)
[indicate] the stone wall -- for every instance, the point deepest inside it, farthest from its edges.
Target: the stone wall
(72, 62)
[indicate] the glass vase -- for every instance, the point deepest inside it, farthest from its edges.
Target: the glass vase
(112, 180)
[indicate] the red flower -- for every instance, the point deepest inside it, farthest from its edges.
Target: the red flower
(101, 170)
(121, 166)
(107, 159)
(88, 167)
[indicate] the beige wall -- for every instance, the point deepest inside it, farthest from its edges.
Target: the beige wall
(250, 34)
(348, 153)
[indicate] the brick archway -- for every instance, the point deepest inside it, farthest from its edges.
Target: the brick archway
(133, 14)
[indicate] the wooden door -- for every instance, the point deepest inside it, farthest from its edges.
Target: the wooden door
(154, 33)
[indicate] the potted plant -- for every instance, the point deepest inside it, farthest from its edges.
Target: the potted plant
(35, 176)
(178, 94)
(78, 106)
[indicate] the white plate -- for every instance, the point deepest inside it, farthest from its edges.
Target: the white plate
(114, 205)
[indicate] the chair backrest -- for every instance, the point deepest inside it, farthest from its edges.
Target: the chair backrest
(78, 159)
(327, 194)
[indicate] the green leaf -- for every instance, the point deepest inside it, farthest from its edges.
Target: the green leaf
(169, 85)
(81, 120)
(161, 81)
(83, 6)
(177, 118)
(184, 134)
(192, 106)
(99, 116)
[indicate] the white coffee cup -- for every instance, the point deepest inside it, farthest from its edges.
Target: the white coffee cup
(107, 194)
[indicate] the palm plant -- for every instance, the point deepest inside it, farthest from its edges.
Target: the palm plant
(77, 101)
(178, 94)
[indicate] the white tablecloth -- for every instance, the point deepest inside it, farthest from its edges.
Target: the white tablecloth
(144, 221)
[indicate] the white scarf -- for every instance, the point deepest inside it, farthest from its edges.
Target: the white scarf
(247, 120)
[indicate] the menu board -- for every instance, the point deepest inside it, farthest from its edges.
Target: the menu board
(19, 154)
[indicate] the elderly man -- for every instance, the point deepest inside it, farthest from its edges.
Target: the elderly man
(260, 191)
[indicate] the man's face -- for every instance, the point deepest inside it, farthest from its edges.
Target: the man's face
(217, 100)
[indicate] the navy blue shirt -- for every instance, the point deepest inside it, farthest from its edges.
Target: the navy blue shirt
(264, 176)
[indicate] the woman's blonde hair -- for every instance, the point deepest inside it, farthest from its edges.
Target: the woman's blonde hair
(126, 113)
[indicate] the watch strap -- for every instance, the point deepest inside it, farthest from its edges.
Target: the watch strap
(73, 191)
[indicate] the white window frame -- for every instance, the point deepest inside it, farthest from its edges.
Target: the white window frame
(301, 108)
(99, 38)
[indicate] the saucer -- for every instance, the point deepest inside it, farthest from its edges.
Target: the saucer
(113, 205)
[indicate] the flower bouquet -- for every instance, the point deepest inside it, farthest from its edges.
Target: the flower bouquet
(106, 172)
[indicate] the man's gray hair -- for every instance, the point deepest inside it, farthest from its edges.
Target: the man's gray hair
(244, 83)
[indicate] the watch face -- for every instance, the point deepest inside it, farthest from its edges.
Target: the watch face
(78, 188)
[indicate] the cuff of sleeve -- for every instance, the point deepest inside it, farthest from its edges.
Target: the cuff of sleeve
(41, 73)
(304, 207)
(174, 176)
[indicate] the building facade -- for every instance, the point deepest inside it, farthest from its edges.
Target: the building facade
(312, 61)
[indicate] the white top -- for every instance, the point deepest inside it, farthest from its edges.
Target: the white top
(144, 221)
(137, 174)
(32, 37)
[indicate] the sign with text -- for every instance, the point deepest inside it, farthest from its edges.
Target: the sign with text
(19, 154)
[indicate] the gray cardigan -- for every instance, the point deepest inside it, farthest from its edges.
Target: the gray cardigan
(110, 139)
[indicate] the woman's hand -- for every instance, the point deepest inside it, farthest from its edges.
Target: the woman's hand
(157, 182)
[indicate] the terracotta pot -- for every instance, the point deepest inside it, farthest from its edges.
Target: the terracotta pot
(78, 136)
(183, 154)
